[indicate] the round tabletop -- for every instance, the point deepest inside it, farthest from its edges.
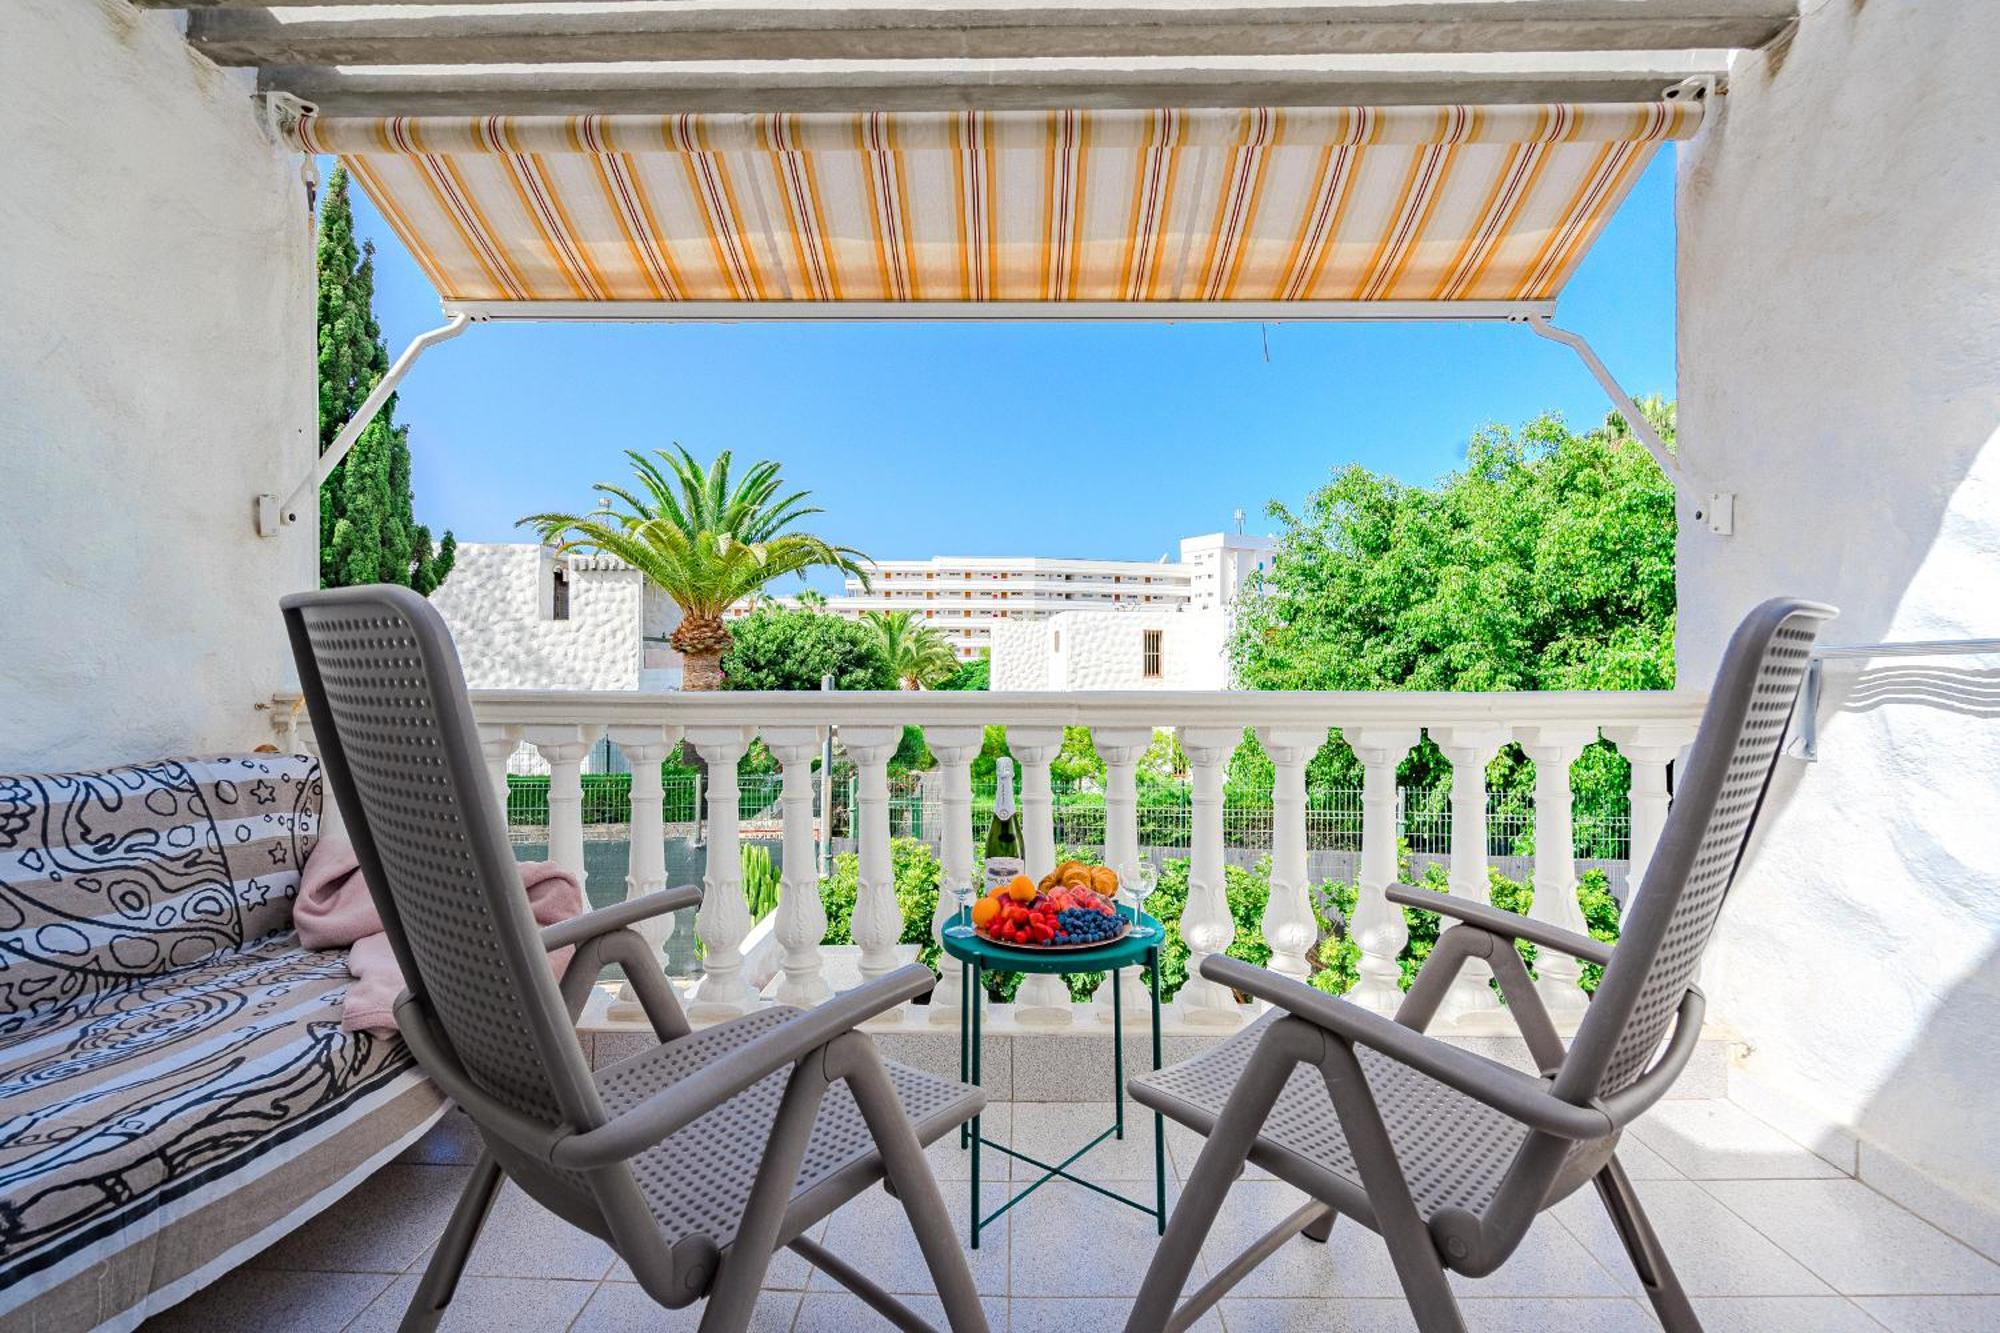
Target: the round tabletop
(966, 945)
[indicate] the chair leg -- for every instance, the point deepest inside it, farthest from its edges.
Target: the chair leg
(1649, 1260)
(1402, 1227)
(1321, 1230)
(1220, 1163)
(441, 1275)
(854, 1058)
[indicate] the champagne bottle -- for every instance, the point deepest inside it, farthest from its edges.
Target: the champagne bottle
(1004, 855)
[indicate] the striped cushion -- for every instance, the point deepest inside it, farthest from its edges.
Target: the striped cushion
(136, 871)
(123, 1117)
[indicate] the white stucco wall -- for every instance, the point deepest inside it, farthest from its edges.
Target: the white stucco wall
(497, 612)
(156, 372)
(1103, 650)
(1840, 373)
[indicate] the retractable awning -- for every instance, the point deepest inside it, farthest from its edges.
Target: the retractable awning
(1438, 211)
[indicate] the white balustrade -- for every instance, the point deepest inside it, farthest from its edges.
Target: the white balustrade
(800, 927)
(724, 919)
(645, 749)
(1206, 924)
(1044, 997)
(1121, 749)
(878, 920)
(1554, 748)
(1554, 728)
(1469, 748)
(1290, 927)
(564, 747)
(1378, 927)
(954, 748)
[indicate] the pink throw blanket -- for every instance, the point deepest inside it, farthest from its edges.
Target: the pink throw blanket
(335, 911)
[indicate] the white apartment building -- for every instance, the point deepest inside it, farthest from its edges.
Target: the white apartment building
(968, 599)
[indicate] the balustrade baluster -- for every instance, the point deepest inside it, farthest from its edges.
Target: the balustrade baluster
(724, 919)
(1206, 923)
(878, 919)
(497, 745)
(1122, 748)
(1649, 748)
(1290, 926)
(1378, 927)
(800, 927)
(1469, 748)
(954, 748)
(1554, 748)
(565, 748)
(1043, 998)
(645, 749)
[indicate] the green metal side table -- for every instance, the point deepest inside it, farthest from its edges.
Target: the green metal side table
(1140, 947)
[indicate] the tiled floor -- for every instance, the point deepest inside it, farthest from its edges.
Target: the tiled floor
(1767, 1237)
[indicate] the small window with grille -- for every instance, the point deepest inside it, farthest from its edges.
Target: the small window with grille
(1150, 644)
(559, 603)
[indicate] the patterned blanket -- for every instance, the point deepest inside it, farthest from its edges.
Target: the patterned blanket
(164, 1040)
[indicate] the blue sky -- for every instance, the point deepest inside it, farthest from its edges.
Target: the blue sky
(1108, 441)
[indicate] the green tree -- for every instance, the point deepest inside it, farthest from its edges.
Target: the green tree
(703, 541)
(1546, 563)
(781, 648)
(368, 532)
(919, 656)
(976, 674)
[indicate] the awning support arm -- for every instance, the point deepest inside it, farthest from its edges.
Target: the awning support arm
(271, 514)
(1642, 429)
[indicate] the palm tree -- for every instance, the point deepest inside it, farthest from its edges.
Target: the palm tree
(920, 656)
(702, 541)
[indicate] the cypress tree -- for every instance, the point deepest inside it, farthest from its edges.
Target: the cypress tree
(368, 532)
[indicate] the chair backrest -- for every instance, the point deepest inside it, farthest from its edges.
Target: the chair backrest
(401, 750)
(1701, 847)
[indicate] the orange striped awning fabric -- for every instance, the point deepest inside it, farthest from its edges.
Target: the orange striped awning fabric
(1336, 204)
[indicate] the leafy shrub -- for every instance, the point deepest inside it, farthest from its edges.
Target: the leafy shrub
(760, 881)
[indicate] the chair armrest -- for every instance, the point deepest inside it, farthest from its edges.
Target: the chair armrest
(1511, 925)
(1522, 1096)
(674, 1106)
(604, 920)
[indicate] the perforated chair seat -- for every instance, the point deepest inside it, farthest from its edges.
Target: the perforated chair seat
(1454, 1151)
(697, 1183)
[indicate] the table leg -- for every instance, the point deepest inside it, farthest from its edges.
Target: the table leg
(1118, 1051)
(973, 998)
(964, 1042)
(1159, 1121)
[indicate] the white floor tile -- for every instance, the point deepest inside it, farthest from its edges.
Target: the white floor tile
(1084, 1314)
(486, 1305)
(842, 1312)
(1610, 1315)
(1715, 1252)
(618, 1307)
(1782, 1314)
(296, 1302)
(1052, 1131)
(383, 1226)
(873, 1233)
(1716, 1140)
(523, 1239)
(1858, 1241)
(1934, 1314)
(1070, 1241)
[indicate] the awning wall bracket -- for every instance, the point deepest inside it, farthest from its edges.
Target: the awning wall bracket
(273, 514)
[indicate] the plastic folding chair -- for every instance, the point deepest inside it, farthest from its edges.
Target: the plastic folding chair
(697, 1159)
(1450, 1156)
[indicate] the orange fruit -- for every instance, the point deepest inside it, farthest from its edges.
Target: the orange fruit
(1022, 889)
(984, 911)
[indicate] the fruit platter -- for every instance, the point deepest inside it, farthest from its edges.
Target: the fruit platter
(1071, 908)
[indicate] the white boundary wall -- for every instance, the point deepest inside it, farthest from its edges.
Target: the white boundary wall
(1840, 373)
(156, 372)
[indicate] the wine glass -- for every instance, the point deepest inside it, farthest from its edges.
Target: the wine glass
(1138, 883)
